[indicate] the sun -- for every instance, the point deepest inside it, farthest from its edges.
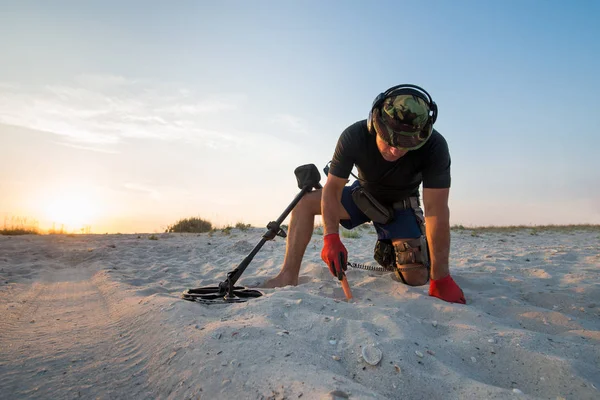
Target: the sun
(72, 210)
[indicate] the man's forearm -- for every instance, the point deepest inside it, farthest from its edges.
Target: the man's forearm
(438, 237)
(329, 210)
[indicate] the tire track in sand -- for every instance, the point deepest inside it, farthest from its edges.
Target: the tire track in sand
(71, 336)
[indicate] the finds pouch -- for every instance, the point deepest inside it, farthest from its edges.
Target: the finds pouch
(373, 209)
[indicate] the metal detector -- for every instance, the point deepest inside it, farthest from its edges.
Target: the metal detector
(308, 179)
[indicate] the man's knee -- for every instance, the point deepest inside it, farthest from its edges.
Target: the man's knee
(310, 204)
(412, 275)
(412, 261)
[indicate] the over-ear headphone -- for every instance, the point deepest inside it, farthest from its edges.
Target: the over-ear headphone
(407, 90)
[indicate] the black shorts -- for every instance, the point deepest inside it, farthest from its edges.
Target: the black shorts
(404, 225)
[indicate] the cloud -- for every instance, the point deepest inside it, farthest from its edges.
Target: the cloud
(96, 111)
(199, 108)
(90, 148)
(102, 81)
(290, 124)
(141, 188)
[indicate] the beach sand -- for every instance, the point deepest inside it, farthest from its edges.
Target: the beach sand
(100, 316)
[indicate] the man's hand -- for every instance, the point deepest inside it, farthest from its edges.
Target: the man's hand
(335, 255)
(447, 290)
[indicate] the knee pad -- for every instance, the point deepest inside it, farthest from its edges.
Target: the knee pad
(384, 254)
(411, 254)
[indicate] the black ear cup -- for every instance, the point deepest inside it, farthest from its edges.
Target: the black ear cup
(434, 112)
(376, 103)
(370, 122)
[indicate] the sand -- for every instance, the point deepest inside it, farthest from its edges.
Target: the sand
(100, 316)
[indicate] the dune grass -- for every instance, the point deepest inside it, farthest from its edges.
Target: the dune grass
(345, 233)
(190, 225)
(242, 226)
(19, 226)
(350, 234)
(27, 226)
(533, 229)
(15, 232)
(318, 230)
(200, 225)
(478, 230)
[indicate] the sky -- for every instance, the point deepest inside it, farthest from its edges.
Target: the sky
(126, 116)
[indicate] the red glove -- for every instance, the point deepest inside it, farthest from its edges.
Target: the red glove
(335, 255)
(447, 290)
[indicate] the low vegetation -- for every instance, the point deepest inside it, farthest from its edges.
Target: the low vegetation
(353, 234)
(15, 232)
(190, 225)
(27, 226)
(533, 229)
(19, 226)
(199, 225)
(242, 226)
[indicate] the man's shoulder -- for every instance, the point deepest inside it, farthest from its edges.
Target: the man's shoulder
(358, 128)
(437, 136)
(355, 134)
(435, 148)
(436, 141)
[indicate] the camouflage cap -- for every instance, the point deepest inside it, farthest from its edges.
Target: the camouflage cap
(403, 121)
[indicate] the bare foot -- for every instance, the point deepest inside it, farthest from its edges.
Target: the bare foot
(279, 281)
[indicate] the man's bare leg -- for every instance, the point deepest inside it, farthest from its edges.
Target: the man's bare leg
(299, 234)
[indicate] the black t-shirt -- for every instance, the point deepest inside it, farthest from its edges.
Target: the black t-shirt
(429, 164)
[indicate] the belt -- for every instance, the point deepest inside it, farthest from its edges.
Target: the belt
(407, 203)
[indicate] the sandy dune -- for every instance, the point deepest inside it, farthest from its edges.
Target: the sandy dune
(99, 316)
